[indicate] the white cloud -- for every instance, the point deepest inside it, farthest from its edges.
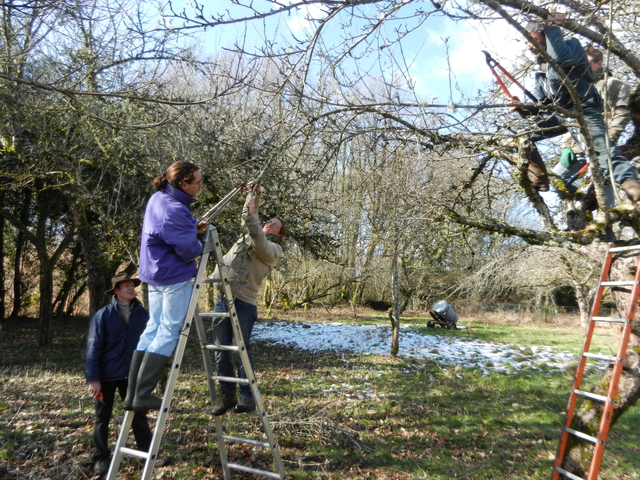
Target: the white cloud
(464, 45)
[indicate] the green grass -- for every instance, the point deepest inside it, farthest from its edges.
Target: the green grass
(336, 416)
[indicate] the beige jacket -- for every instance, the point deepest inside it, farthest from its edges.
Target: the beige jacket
(250, 259)
(616, 110)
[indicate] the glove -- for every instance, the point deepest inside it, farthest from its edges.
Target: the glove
(567, 157)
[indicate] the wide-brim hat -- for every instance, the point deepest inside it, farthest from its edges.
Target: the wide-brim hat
(118, 278)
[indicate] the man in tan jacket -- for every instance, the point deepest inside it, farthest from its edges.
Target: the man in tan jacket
(615, 93)
(246, 265)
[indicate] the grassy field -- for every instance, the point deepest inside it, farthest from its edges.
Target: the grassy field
(336, 416)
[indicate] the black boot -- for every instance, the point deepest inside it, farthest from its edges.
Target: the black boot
(136, 360)
(150, 372)
(226, 401)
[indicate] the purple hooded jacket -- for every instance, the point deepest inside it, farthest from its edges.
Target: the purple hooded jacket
(168, 247)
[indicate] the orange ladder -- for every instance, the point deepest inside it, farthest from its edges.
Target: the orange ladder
(608, 401)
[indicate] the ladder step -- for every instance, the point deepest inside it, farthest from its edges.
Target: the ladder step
(567, 474)
(214, 314)
(592, 396)
(249, 441)
(619, 284)
(242, 381)
(581, 435)
(608, 358)
(609, 319)
(255, 471)
(226, 348)
(212, 280)
(625, 249)
(134, 453)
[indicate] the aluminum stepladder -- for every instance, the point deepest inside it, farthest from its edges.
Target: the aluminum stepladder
(212, 244)
(608, 400)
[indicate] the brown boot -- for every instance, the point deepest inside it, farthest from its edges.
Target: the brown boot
(631, 187)
(538, 172)
(226, 401)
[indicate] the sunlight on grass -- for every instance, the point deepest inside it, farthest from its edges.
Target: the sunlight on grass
(336, 415)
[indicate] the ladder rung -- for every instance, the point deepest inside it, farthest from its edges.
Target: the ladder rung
(626, 283)
(592, 396)
(135, 453)
(212, 280)
(609, 319)
(608, 358)
(625, 249)
(255, 471)
(250, 441)
(567, 474)
(214, 314)
(226, 348)
(581, 435)
(243, 381)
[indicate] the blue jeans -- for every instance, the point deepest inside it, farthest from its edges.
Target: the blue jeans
(223, 335)
(168, 306)
(592, 109)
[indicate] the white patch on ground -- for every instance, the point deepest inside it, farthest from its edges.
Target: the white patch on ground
(376, 340)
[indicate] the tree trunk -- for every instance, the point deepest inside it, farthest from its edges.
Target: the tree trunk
(587, 418)
(97, 272)
(62, 299)
(394, 313)
(17, 261)
(71, 305)
(584, 298)
(2, 276)
(45, 334)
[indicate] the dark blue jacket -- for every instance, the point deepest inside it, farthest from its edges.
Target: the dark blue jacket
(571, 57)
(111, 342)
(169, 246)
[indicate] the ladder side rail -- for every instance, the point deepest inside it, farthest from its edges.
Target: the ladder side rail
(224, 284)
(208, 366)
(206, 357)
(614, 381)
(175, 366)
(120, 444)
(244, 357)
(564, 436)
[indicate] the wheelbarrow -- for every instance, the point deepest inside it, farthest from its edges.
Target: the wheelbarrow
(443, 315)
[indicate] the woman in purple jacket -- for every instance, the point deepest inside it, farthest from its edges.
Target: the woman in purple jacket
(168, 250)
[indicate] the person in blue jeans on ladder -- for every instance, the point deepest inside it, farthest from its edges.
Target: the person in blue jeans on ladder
(246, 264)
(168, 251)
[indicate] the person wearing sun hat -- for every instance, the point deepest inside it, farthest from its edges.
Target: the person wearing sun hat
(113, 335)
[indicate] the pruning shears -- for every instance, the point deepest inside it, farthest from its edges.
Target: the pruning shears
(493, 64)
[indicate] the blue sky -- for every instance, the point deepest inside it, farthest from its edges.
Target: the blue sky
(428, 51)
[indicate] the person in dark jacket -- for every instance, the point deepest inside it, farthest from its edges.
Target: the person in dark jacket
(168, 249)
(113, 335)
(569, 54)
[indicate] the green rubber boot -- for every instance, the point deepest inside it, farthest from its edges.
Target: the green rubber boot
(150, 372)
(136, 360)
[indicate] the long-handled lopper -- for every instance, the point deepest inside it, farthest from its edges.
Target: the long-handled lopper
(227, 198)
(493, 64)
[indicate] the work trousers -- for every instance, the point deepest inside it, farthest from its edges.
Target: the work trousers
(223, 335)
(104, 409)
